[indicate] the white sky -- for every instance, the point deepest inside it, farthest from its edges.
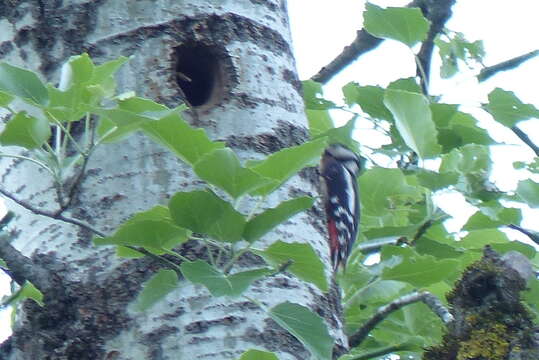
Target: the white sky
(321, 29)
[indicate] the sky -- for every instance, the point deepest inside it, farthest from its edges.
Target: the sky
(321, 29)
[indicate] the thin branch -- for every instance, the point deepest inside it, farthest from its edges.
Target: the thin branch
(364, 42)
(51, 214)
(39, 163)
(375, 245)
(437, 307)
(525, 139)
(378, 353)
(75, 184)
(22, 268)
(165, 261)
(384, 311)
(58, 216)
(510, 64)
(532, 235)
(438, 12)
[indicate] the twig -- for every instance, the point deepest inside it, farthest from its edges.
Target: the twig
(161, 259)
(22, 268)
(365, 42)
(384, 311)
(525, 139)
(438, 12)
(379, 352)
(76, 183)
(510, 64)
(51, 214)
(375, 245)
(437, 307)
(533, 236)
(58, 216)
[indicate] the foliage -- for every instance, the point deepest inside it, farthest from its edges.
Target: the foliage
(397, 201)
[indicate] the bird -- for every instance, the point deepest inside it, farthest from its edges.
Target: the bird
(339, 168)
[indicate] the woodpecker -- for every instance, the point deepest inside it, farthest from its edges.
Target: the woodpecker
(339, 168)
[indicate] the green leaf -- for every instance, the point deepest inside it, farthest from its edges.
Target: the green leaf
(22, 83)
(369, 98)
(507, 109)
(525, 249)
(76, 71)
(407, 25)
(177, 135)
(200, 272)
(206, 213)
(405, 84)
(436, 181)
(5, 99)
(280, 166)
(477, 239)
(312, 95)
(27, 291)
(142, 106)
(305, 325)
(156, 288)
(128, 253)
(153, 235)
(222, 168)
(26, 131)
(270, 218)
(124, 122)
(254, 354)
(422, 271)
(383, 192)
(239, 282)
(342, 135)
(480, 220)
(104, 75)
(528, 191)
(413, 120)
(374, 294)
(319, 122)
(306, 263)
(449, 59)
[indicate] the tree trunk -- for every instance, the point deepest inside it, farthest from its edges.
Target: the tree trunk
(238, 73)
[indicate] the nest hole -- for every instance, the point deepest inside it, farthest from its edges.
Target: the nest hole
(198, 74)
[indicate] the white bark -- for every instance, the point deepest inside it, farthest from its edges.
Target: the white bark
(260, 111)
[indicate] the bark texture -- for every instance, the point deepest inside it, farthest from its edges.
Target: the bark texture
(253, 103)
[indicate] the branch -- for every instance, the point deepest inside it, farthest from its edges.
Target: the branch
(532, 235)
(384, 311)
(376, 244)
(438, 12)
(524, 137)
(510, 64)
(22, 268)
(51, 214)
(364, 42)
(379, 352)
(437, 307)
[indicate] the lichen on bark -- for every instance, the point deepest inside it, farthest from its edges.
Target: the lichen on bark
(491, 321)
